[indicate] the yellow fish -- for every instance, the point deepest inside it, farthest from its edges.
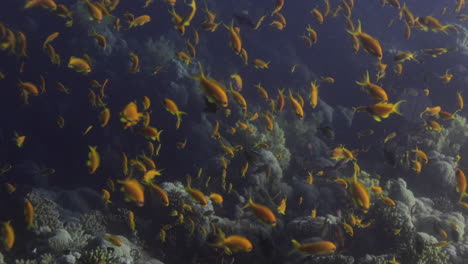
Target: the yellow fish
(94, 160)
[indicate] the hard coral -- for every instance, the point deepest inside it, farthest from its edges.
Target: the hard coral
(47, 211)
(415, 250)
(98, 254)
(94, 222)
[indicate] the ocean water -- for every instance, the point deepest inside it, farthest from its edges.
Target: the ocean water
(233, 131)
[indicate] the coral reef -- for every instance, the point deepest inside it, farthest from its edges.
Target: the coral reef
(96, 255)
(93, 222)
(46, 210)
(78, 235)
(60, 241)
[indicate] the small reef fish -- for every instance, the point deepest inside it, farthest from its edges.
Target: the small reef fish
(197, 195)
(233, 244)
(262, 212)
(7, 235)
(314, 248)
(94, 159)
(133, 191)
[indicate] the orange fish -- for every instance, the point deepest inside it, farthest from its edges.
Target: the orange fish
(133, 191)
(79, 65)
(47, 4)
(381, 110)
(197, 195)
(29, 214)
(314, 248)
(139, 21)
(8, 235)
(233, 244)
(262, 212)
(172, 108)
(461, 183)
(160, 194)
(213, 90)
(374, 90)
(234, 37)
(298, 110)
(100, 39)
(106, 196)
(318, 15)
(130, 115)
(260, 64)
(151, 133)
(94, 160)
(369, 43)
(313, 97)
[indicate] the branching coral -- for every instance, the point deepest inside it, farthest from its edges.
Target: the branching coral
(433, 255)
(301, 137)
(199, 215)
(332, 259)
(462, 40)
(399, 192)
(94, 222)
(60, 241)
(413, 249)
(123, 251)
(46, 211)
(270, 177)
(443, 204)
(98, 255)
(78, 235)
(449, 140)
(303, 227)
(26, 261)
(368, 259)
(47, 259)
(276, 140)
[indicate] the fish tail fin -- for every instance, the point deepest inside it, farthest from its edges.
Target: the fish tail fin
(31, 226)
(444, 28)
(193, 4)
(178, 122)
(462, 195)
(158, 135)
(413, 57)
(422, 114)
(249, 202)
(229, 27)
(396, 107)
(365, 81)
(296, 245)
(357, 31)
(189, 182)
(130, 25)
(291, 96)
(202, 73)
(355, 177)
(221, 233)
